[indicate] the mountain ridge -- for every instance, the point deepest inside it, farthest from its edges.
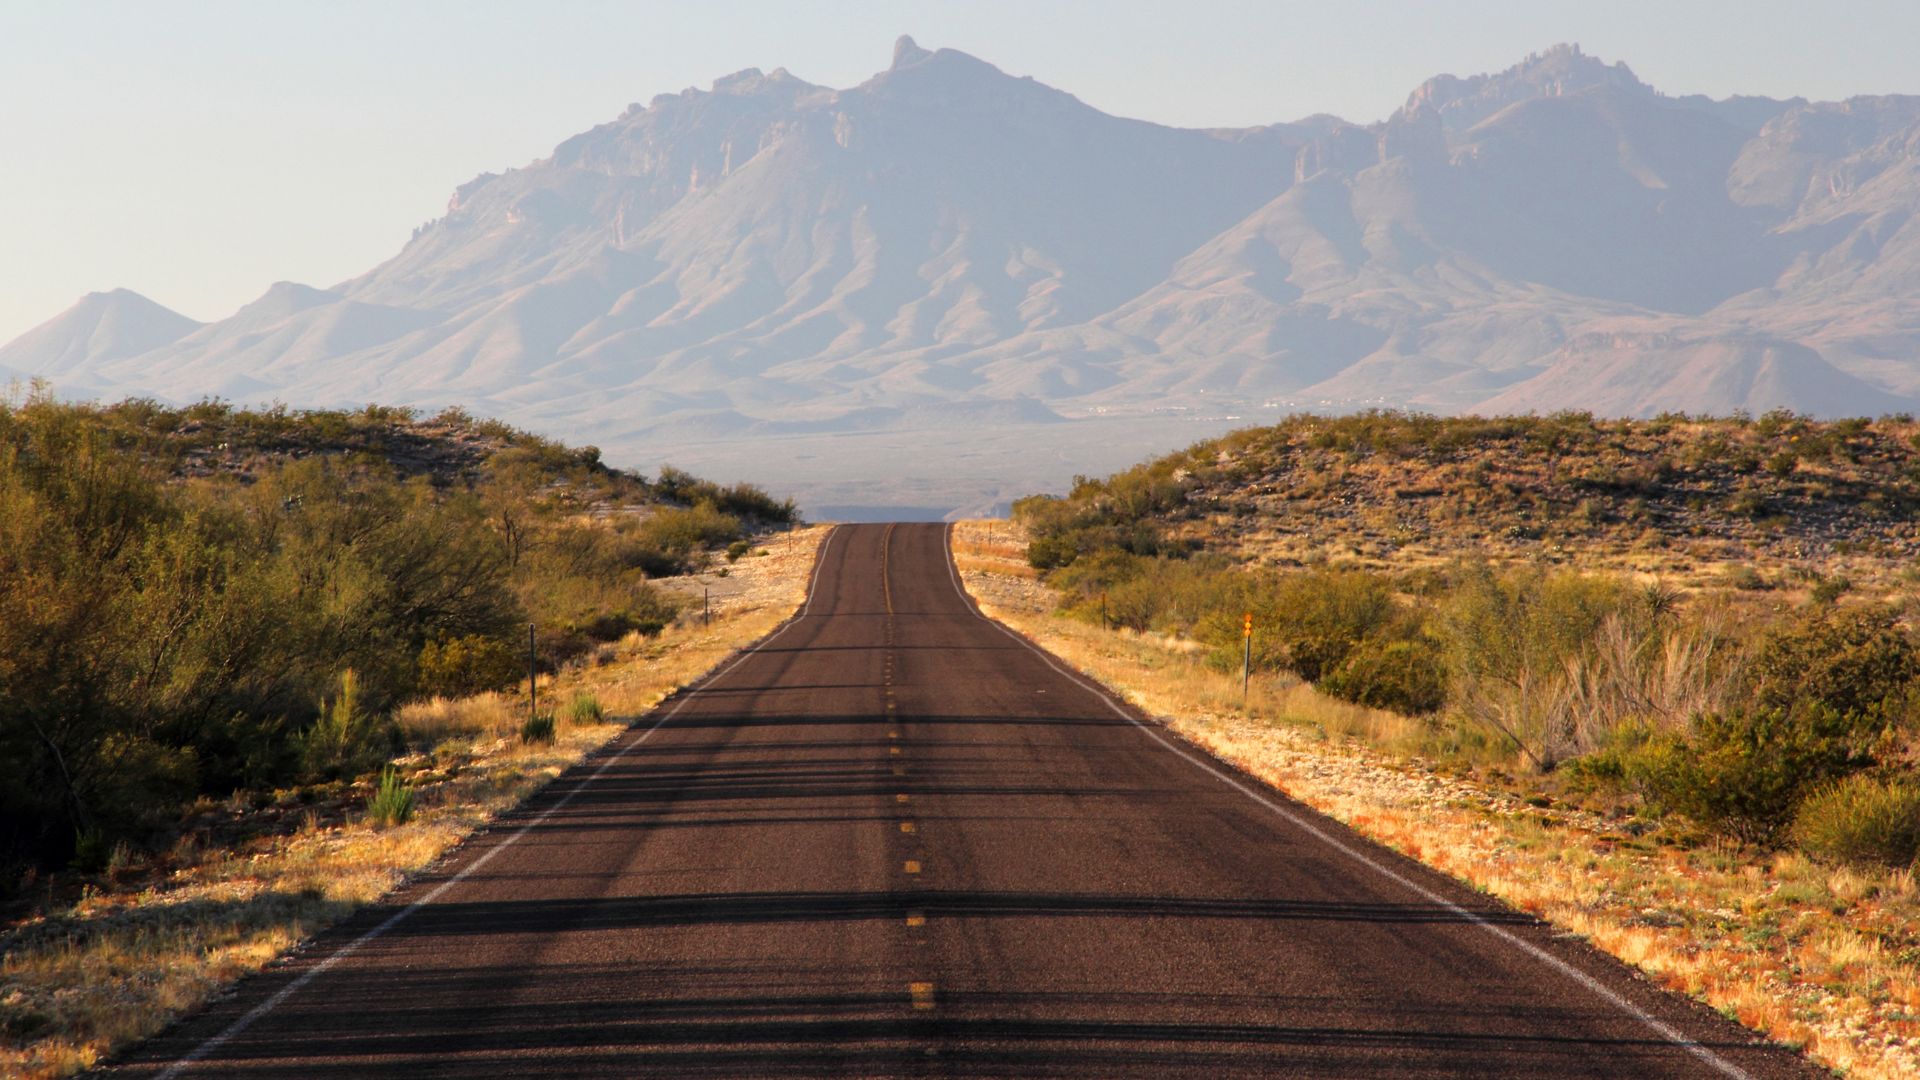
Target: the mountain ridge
(771, 256)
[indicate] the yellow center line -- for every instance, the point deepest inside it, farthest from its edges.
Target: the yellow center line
(901, 798)
(922, 994)
(913, 866)
(915, 918)
(899, 770)
(893, 750)
(906, 826)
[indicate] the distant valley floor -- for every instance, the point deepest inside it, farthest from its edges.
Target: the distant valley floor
(930, 475)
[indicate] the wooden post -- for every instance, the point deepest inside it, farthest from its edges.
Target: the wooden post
(533, 676)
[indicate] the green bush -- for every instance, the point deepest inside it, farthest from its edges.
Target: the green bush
(585, 709)
(1407, 676)
(392, 802)
(347, 738)
(166, 633)
(1308, 622)
(466, 665)
(675, 529)
(738, 549)
(1861, 819)
(738, 500)
(1052, 550)
(1829, 590)
(1510, 638)
(1142, 593)
(1743, 772)
(1857, 661)
(537, 728)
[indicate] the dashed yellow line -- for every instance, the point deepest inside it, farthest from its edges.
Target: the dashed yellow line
(893, 750)
(903, 797)
(913, 866)
(916, 918)
(922, 994)
(906, 827)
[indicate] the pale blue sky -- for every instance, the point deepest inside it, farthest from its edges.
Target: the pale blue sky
(199, 152)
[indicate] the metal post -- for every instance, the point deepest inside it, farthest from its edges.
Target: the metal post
(706, 613)
(533, 675)
(1105, 623)
(1246, 658)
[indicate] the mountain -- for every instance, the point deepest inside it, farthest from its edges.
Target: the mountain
(100, 329)
(897, 291)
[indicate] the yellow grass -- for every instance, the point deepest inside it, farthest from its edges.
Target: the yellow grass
(76, 985)
(1811, 956)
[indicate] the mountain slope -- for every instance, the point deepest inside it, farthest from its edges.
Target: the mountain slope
(101, 328)
(769, 258)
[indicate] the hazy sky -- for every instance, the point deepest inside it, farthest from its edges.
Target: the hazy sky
(198, 152)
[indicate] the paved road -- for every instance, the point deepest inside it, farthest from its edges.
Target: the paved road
(894, 840)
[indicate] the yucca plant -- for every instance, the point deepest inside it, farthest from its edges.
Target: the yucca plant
(392, 802)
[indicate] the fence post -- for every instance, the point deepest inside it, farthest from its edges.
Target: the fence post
(533, 676)
(1246, 657)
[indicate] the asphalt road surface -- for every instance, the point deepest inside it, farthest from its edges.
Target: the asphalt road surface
(895, 840)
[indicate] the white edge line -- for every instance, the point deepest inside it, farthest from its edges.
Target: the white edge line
(1659, 1026)
(819, 560)
(254, 1014)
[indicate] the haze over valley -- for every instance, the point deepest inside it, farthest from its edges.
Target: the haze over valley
(949, 285)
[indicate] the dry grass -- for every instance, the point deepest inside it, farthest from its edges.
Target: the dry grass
(1811, 956)
(78, 983)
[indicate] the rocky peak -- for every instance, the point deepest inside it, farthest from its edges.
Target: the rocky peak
(1557, 72)
(906, 52)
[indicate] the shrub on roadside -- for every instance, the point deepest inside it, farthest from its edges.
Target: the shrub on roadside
(392, 802)
(1857, 661)
(538, 728)
(1406, 676)
(1861, 819)
(585, 709)
(1510, 640)
(1307, 622)
(1744, 772)
(347, 738)
(467, 665)
(739, 500)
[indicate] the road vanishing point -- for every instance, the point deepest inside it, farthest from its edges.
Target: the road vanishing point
(896, 839)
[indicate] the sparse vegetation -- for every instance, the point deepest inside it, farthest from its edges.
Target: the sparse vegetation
(1814, 946)
(97, 955)
(1696, 638)
(1708, 702)
(206, 600)
(1396, 491)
